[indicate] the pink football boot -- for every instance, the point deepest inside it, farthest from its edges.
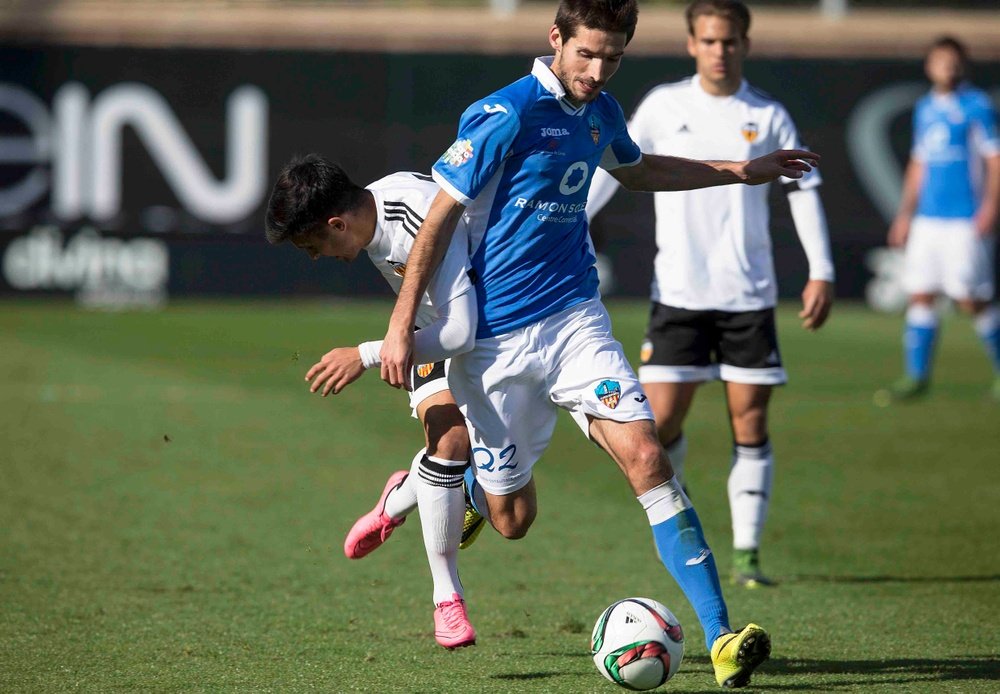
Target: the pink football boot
(451, 624)
(375, 527)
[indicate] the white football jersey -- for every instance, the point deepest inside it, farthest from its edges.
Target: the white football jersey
(402, 200)
(714, 244)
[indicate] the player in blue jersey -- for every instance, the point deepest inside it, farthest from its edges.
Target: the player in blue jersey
(518, 174)
(947, 216)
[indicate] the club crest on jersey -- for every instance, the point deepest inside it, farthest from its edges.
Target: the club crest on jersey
(646, 352)
(424, 370)
(609, 392)
(749, 131)
(459, 153)
(595, 130)
(398, 268)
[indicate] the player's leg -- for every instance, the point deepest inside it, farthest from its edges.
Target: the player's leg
(502, 393)
(986, 319)
(750, 366)
(923, 280)
(750, 478)
(970, 282)
(438, 482)
(676, 357)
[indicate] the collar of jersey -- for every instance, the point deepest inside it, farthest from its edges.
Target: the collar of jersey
(542, 71)
(696, 83)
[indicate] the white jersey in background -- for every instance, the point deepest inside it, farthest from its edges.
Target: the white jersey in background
(714, 244)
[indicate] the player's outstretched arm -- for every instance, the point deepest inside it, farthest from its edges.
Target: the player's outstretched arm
(659, 173)
(429, 247)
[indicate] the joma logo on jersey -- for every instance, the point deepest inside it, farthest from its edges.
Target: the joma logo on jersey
(609, 392)
(459, 153)
(424, 370)
(554, 132)
(398, 268)
(749, 131)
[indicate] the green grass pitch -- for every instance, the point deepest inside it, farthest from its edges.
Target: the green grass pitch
(173, 503)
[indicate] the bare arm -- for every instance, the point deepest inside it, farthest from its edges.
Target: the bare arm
(900, 228)
(428, 249)
(989, 207)
(656, 173)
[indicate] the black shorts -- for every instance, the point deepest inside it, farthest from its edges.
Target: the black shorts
(427, 379)
(691, 346)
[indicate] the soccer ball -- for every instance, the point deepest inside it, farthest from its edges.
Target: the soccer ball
(637, 643)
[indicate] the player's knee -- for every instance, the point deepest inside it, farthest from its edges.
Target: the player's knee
(516, 528)
(452, 444)
(514, 525)
(750, 426)
(647, 464)
(447, 436)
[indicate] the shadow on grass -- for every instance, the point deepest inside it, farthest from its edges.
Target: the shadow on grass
(825, 578)
(891, 670)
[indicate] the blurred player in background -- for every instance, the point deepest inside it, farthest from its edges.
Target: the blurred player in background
(714, 288)
(519, 173)
(317, 208)
(947, 216)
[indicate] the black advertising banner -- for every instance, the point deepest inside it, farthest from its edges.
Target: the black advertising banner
(133, 174)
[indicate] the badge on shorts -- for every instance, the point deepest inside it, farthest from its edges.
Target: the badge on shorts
(646, 352)
(424, 370)
(610, 392)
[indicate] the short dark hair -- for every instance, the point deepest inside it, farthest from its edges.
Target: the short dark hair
(951, 43)
(603, 15)
(733, 10)
(309, 190)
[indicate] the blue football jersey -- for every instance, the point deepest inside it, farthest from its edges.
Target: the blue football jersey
(952, 133)
(522, 166)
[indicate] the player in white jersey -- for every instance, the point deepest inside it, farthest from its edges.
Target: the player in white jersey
(947, 216)
(518, 173)
(714, 287)
(318, 208)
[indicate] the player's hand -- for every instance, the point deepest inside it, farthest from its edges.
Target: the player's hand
(791, 163)
(985, 220)
(335, 371)
(899, 232)
(397, 357)
(817, 300)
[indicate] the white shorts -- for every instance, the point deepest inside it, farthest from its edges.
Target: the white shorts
(511, 386)
(947, 256)
(427, 380)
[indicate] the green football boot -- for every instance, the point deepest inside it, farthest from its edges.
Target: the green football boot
(746, 570)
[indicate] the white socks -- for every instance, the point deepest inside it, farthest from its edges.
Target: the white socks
(664, 501)
(677, 452)
(403, 499)
(750, 481)
(440, 495)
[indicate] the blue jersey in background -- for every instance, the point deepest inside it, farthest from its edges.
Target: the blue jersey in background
(952, 133)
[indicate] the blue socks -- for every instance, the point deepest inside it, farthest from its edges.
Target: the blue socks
(681, 545)
(470, 485)
(918, 340)
(988, 329)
